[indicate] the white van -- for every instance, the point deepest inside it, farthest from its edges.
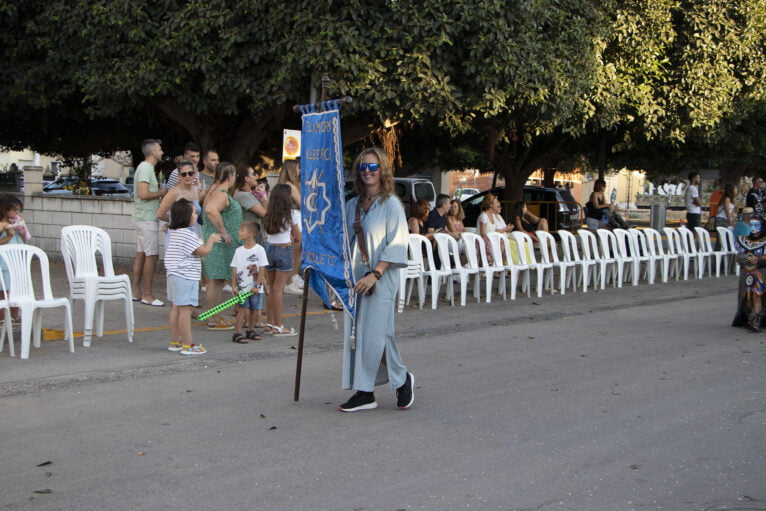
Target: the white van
(409, 190)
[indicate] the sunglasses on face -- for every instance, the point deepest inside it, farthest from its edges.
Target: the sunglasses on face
(186, 174)
(372, 167)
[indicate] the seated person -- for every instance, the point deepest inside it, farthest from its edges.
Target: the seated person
(455, 217)
(490, 220)
(525, 221)
(417, 222)
(437, 221)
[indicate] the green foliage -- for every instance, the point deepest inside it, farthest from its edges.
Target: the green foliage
(502, 85)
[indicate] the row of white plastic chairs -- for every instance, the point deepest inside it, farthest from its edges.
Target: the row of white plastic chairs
(81, 246)
(590, 258)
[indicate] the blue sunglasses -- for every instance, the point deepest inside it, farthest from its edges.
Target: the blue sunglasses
(373, 167)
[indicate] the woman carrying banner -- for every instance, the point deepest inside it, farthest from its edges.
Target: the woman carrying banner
(378, 230)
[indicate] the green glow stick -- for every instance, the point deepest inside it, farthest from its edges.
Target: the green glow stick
(236, 300)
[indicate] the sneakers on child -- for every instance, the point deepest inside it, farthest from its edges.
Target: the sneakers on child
(194, 349)
(297, 281)
(405, 395)
(174, 346)
(358, 402)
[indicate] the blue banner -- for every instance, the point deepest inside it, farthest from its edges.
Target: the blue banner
(325, 239)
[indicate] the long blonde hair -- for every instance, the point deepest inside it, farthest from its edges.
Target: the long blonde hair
(385, 169)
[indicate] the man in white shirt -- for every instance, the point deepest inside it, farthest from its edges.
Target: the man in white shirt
(693, 202)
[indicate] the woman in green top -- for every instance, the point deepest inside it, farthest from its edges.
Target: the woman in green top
(223, 215)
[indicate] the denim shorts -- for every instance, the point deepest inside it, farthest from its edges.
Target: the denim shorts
(182, 291)
(254, 302)
(280, 258)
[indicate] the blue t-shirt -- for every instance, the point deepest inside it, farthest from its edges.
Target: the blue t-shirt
(435, 221)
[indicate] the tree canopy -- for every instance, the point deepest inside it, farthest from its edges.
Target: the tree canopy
(511, 85)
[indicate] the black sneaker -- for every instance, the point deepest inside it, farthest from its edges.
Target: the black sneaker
(358, 402)
(405, 395)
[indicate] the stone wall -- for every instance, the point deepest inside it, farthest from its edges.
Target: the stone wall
(45, 215)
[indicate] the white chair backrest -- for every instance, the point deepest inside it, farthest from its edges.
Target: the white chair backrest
(608, 244)
(525, 247)
(569, 246)
(703, 238)
(475, 250)
(639, 241)
(548, 248)
(420, 245)
(80, 245)
(687, 241)
(653, 242)
(726, 237)
(590, 250)
(674, 241)
(624, 243)
(18, 260)
(447, 247)
(497, 249)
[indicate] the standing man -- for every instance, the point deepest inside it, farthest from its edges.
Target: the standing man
(693, 202)
(192, 154)
(755, 197)
(146, 200)
(210, 161)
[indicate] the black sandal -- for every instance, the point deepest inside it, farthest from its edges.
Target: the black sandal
(239, 338)
(250, 334)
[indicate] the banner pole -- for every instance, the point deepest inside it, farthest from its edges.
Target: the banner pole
(299, 360)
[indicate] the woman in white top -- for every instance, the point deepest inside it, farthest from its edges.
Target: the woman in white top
(490, 220)
(727, 211)
(282, 224)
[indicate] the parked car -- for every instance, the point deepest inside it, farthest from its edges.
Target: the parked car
(409, 190)
(466, 193)
(554, 204)
(98, 186)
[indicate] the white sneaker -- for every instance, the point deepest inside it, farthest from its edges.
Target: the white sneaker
(226, 288)
(297, 281)
(292, 289)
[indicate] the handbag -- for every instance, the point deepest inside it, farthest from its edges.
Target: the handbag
(710, 224)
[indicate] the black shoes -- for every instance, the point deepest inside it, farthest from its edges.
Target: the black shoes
(358, 402)
(405, 395)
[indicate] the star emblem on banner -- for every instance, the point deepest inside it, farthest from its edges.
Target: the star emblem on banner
(317, 202)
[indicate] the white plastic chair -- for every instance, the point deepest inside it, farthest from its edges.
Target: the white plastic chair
(706, 247)
(668, 261)
(549, 252)
(437, 276)
(582, 267)
(610, 248)
(500, 245)
(726, 236)
(640, 249)
(689, 246)
(412, 274)
(8, 323)
(80, 245)
(476, 255)
(18, 259)
(526, 250)
(676, 246)
(449, 253)
(607, 264)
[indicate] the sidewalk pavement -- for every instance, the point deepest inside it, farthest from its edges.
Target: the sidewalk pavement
(113, 358)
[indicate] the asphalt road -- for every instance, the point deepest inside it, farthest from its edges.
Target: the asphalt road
(642, 406)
